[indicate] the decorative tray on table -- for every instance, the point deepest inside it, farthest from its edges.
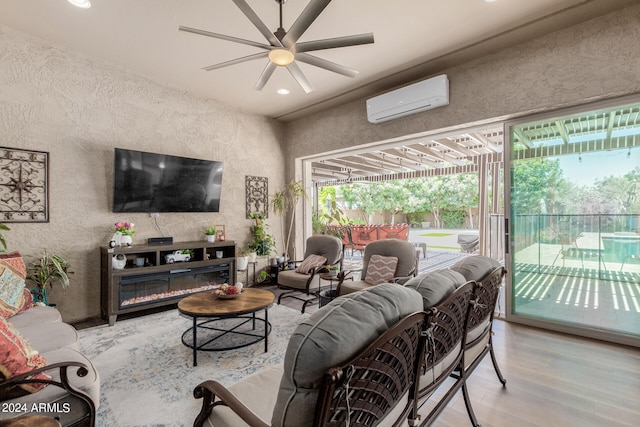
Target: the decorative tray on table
(228, 296)
(228, 292)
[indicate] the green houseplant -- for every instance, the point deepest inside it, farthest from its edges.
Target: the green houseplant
(211, 234)
(284, 202)
(45, 271)
(262, 242)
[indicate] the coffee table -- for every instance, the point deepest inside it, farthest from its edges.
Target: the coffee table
(216, 328)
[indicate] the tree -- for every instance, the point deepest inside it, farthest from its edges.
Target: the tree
(535, 180)
(284, 203)
(623, 191)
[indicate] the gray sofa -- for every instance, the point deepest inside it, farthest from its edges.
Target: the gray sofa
(458, 304)
(74, 392)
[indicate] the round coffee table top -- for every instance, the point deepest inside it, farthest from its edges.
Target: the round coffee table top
(207, 304)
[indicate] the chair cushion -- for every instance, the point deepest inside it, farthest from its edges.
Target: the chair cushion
(310, 263)
(475, 267)
(436, 285)
(12, 279)
(294, 280)
(324, 245)
(330, 337)
(257, 391)
(17, 357)
(36, 315)
(402, 249)
(381, 269)
(51, 336)
(349, 286)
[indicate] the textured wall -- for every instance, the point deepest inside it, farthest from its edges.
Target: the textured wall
(78, 109)
(597, 59)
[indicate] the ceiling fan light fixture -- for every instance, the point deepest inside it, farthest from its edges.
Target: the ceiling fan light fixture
(84, 4)
(281, 57)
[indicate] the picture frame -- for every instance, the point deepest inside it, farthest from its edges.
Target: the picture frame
(221, 234)
(24, 185)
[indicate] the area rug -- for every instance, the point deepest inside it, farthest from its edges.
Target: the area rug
(146, 373)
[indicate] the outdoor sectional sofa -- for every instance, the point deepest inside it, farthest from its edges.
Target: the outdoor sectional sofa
(339, 363)
(42, 370)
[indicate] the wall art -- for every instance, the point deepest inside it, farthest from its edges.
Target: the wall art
(257, 195)
(24, 185)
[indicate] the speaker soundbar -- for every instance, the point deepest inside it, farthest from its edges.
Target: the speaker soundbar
(160, 240)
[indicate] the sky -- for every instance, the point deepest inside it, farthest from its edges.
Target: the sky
(598, 165)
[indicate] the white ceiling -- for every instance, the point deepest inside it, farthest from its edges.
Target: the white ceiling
(142, 37)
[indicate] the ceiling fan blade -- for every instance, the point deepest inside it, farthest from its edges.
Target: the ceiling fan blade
(345, 41)
(257, 22)
(297, 74)
(237, 61)
(265, 76)
(306, 18)
(327, 65)
(223, 37)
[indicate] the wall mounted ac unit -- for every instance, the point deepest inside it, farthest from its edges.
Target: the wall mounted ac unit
(421, 96)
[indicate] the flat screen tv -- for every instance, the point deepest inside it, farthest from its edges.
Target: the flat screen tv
(150, 182)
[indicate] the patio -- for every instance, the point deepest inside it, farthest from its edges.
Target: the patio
(587, 285)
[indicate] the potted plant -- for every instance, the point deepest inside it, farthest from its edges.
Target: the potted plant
(126, 231)
(263, 242)
(242, 260)
(45, 271)
(263, 276)
(284, 202)
(333, 270)
(251, 254)
(211, 234)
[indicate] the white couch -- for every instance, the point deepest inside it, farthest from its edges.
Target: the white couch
(73, 393)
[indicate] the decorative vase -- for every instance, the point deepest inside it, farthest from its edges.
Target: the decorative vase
(126, 240)
(241, 263)
(211, 238)
(119, 262)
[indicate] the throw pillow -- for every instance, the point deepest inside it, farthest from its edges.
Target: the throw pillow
(12, 277)
(27, 300)
(381, 269)
(17, 357)
(311, 262)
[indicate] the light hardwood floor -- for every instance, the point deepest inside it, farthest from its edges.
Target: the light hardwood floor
(552, 380)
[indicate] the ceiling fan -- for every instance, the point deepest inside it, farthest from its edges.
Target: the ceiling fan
(283, 49)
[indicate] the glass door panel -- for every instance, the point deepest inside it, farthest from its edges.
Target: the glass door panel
(574, 220)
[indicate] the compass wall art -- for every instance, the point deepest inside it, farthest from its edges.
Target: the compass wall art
(24, 185)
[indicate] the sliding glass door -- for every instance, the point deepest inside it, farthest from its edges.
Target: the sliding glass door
(573, 220)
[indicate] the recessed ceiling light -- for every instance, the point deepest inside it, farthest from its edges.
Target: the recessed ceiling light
(283, 91)
(489, 1)
(85, 4)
